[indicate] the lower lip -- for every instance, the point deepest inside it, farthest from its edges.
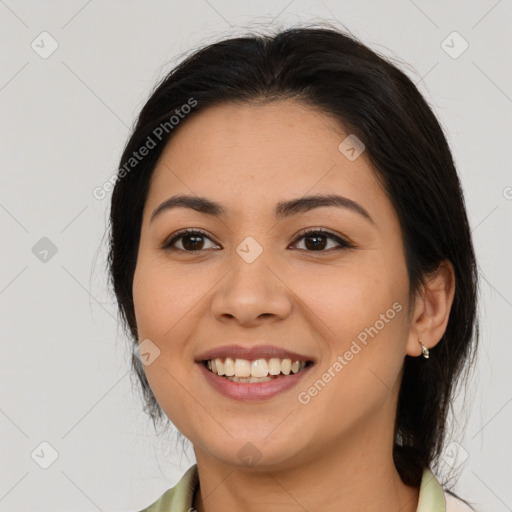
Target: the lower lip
(245, 391)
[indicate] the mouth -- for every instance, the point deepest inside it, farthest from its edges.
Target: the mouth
(255, 371)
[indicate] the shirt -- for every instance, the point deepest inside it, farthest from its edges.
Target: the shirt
(432, 497)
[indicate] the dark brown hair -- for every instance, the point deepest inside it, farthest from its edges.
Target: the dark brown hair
(374, 100)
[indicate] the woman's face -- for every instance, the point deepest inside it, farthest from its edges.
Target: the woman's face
(251, 279)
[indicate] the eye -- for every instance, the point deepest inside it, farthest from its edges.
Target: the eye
(191, 240)
(318, 237)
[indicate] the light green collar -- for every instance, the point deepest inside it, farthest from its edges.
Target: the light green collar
(181, 496)
(432, 498)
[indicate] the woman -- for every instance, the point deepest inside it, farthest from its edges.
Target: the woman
(291, 254)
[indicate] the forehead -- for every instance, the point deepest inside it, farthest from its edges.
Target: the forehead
(252, 155)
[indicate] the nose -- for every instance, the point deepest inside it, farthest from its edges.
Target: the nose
(252, 293)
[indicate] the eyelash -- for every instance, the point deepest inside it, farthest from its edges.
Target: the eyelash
(344, 244)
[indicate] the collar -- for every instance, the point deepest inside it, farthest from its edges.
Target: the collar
(180, 498)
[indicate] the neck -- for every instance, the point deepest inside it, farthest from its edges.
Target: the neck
(358, 474)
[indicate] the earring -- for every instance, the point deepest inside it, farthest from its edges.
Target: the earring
(424, 349)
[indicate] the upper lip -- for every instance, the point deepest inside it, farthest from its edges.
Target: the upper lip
(251, 353)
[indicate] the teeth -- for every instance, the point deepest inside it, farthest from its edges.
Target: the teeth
(220, 366)
(229, 367)
(250, 380)
(243, 370)
(259, 368)
(274, 366)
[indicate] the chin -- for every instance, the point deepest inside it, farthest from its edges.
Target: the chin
(255, 453)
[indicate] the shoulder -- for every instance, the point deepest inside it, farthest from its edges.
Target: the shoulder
(180, 497)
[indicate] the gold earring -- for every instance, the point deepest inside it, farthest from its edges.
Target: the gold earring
(424, 349)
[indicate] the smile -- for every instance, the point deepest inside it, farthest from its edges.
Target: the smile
(271, 377)
(259, 370)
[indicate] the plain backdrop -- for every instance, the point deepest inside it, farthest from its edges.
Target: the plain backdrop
(73, 77)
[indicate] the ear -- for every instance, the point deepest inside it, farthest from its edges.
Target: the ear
(432, 309)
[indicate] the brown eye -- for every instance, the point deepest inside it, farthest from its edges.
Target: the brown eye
(191, 240)
(317, 240)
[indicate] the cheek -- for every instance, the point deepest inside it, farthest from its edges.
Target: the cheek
(361, 316)
(161, 315)
(345, 302)
(162, 311)
(161, 298)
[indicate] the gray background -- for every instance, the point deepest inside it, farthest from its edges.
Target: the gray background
(64, 120)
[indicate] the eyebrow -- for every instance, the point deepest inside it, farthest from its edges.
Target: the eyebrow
(282, 210)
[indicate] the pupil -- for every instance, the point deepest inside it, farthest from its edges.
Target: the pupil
(317, 244)
(197, 240)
